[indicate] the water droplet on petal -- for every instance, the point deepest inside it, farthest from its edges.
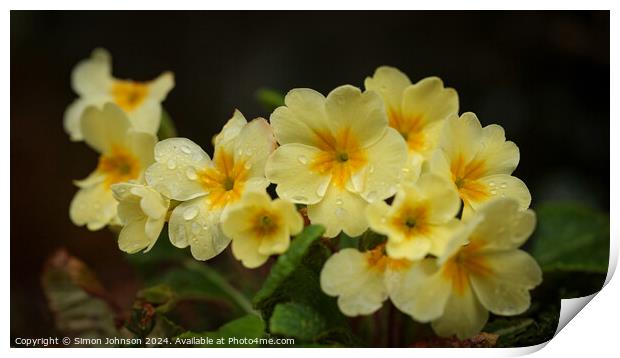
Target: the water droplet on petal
(371, 168)
(185, 149)
(339, 202)
(190, 213)
(171, 164)
(340, 211)
(503, 186)
(247, 165)
(320, 191)
(196, 228)
(372, 196)
(493, 192)
(299, 198)
(491, 184)
(191, 173)
(302, 159)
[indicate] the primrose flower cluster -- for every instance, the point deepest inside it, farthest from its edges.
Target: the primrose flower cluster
(395, 158)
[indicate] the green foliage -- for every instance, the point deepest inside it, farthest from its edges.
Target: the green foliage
(270, 99)
(249, 326)
(297, 320)
(571, 238)
(167, 128)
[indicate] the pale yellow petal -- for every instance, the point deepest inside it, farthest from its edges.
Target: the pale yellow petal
(390, 83)
(430, 100)
(386, 159)
(175, 172)
(289, 168)
(302, 119)
(231, 129)
(419, 291)
(340, 210)
(93, 76)
(276, 243)
(133, 238)
(104, 128)
(142, 146)
(500, 156)
(443, 202)
(159, 87)
(73, 114)
(505, 291)
(362, 114)
(463, 316)
(291, 216)
(253, 145)
(94, 207)
(377, 216)
(411, 248)
(246, 250)
(360, 289)
(505, 186)
(146, 117)
(193, 223)
(440, 236)
(461, 137)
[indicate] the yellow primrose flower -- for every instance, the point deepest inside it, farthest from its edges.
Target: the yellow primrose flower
(336, 155)
(416, 111)
(142, 212)
(421, 219)
(92, 80)
(481, 270)
(125, 154)
(184, 172)
(360, 279)
(479, 162)
(260, 227)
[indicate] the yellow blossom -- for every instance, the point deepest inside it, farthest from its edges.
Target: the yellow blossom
(184, 172)
(420, 220)
(142, 212)
(92, 80)
(481, 270)
(260, 227)
(417, 111)
(479, 162)
(360, 280)
(125, 154)
(337, 154)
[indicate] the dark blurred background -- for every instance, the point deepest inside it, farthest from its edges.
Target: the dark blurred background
(543, 76)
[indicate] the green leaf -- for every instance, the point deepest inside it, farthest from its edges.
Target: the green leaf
(286, 264)
(270, 99)
(250, 327)
(571, 238)
(297, 320)
(167, 128)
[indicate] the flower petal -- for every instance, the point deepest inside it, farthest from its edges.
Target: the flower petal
(386, 159)
(461, 137)
(93, 76)
(340, 210)
(429, 100)
(361, 289)
(363, 114)
(94, 207)
(419, 291)
(506, 290)
(414, 248)
(246, 250)
(289, 168)
(463, 316)
(193, 223)
(231, 129)
(504, 226)
(104, 128)
(443, 200)
(302, 117)
(503, 185)
(291, 216)
(500, 156)
(174, 174)
(390, 83)
(73, 114)
(133, 238)
(253, 145)
(146, 117)
(159, 87)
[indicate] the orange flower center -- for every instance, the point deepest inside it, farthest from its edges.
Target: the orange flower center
(341, 156)
(411, 128)
(129, 94)
(225, 181)
(411, 220)
(467, 261)
(378, 260)
(465, 176)
(265, 223)
(119, 166)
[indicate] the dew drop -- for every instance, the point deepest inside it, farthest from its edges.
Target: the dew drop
(302, 159)
(320, 191)
(371, 169)
(185, 149)
(493, 192)
(503, 186)
(299, 198)
(196, 228)
(340, 211)
(339, 202)
(247, 165)
(491, 184)
(190, 213)
(372, 196)
(171, 164)
(191, 173)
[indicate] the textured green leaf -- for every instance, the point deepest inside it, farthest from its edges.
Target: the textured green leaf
(250, 326)
(571, 237)
(297, 320)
